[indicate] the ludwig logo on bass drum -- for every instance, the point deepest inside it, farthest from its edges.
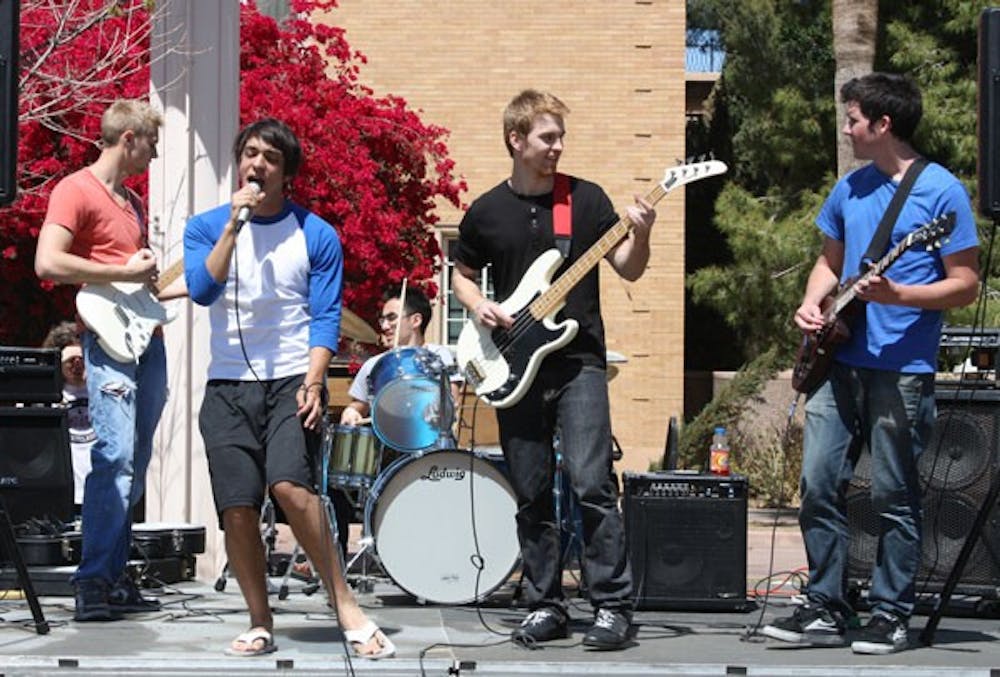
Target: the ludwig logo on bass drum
(436, 474)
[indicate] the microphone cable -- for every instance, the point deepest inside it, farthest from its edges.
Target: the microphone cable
(348, 650)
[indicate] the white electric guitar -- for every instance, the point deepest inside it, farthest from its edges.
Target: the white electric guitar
(501, 363)
(124, 315)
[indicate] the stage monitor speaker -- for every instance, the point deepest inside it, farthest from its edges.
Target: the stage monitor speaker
(36, 469)
(989, 112)
(955, 474)
(687, 540)
(9, 32)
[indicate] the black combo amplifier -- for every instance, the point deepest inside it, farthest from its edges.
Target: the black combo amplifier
(30, 375)
(687, 540)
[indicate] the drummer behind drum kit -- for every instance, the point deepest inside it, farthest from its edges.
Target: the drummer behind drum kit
(434, 493)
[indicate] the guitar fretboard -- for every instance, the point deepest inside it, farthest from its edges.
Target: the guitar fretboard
(930, 232)
(169, 275)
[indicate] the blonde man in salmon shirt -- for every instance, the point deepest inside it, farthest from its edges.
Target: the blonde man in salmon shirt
(95, 231)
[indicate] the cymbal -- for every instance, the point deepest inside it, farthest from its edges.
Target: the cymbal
(353, 327)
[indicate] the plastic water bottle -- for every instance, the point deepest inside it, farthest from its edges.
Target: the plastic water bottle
(718, 457)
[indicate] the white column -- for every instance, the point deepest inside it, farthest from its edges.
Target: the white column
(194, 80)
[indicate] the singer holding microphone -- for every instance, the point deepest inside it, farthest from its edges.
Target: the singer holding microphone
(270, 272)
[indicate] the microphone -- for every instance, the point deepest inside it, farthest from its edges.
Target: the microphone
(245, 212)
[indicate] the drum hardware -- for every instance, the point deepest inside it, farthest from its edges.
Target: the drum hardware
(269, 534)
(568, 515)
(351, 457)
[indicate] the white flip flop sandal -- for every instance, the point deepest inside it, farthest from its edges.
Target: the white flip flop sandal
(249, 638)
(358, 638)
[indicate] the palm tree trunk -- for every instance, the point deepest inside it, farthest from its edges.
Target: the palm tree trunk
(855, 24)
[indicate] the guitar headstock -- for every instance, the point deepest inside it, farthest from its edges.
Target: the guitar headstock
(694, 171)
(933, 233)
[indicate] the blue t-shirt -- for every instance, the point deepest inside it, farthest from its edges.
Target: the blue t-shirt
(890, 337)
(290, 275)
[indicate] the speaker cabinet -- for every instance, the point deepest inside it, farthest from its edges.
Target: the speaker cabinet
(36, 469)
(989, 112)
(687, 540)
(9, 31)
(955, 474)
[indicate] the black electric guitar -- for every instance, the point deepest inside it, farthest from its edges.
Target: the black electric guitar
(501, 363)
(817, 349)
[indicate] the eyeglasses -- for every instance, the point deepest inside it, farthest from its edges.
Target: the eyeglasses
(391, 317)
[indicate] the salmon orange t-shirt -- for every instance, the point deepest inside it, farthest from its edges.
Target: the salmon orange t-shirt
(103, 230)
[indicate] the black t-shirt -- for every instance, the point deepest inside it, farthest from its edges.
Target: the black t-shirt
(510, 231)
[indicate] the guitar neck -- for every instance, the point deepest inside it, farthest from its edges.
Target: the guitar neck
(556, 294)
(848, 294)
(169, 275)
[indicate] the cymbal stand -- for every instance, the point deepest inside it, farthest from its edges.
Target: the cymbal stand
(446, 440)
(269, 533)
(567, 522)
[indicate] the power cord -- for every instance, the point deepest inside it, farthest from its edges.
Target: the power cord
(752, 633)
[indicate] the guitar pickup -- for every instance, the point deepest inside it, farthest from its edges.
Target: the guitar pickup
(474, 373)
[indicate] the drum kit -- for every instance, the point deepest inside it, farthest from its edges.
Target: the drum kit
(439, 520)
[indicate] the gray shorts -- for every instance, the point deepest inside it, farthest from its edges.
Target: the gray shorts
(253, 439)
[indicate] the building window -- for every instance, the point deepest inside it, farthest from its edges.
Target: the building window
(455, 315)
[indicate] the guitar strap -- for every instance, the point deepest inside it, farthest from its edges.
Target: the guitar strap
(137, 208)
(562, 214)
(880, 240)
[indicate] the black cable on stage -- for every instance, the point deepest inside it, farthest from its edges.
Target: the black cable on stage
(752, 632)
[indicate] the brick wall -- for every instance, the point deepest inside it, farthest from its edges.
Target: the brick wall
(619, 66)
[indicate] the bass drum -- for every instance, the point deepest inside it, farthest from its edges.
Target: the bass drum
(420, 513)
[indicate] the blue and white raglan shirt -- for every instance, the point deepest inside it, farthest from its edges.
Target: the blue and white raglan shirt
(289, 270)
(892, 337)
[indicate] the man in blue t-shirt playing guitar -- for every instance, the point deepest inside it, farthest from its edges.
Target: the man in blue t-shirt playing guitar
(879, 388)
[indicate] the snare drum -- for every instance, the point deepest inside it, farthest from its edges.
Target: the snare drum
(420, 513)
(355, 456)
(407, 414)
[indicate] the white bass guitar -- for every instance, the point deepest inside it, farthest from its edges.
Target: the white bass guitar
(501, 363)
(124, 315)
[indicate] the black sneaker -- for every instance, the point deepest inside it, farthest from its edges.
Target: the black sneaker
(541, 625)
(609, 631)
(810, 623)
(92, 601)
(884, 634)
(125, 597)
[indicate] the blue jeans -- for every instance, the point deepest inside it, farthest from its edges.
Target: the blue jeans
(125, 405)
(572, 401)
(893, 414)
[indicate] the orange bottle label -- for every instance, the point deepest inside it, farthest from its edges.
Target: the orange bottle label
(718, 463)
